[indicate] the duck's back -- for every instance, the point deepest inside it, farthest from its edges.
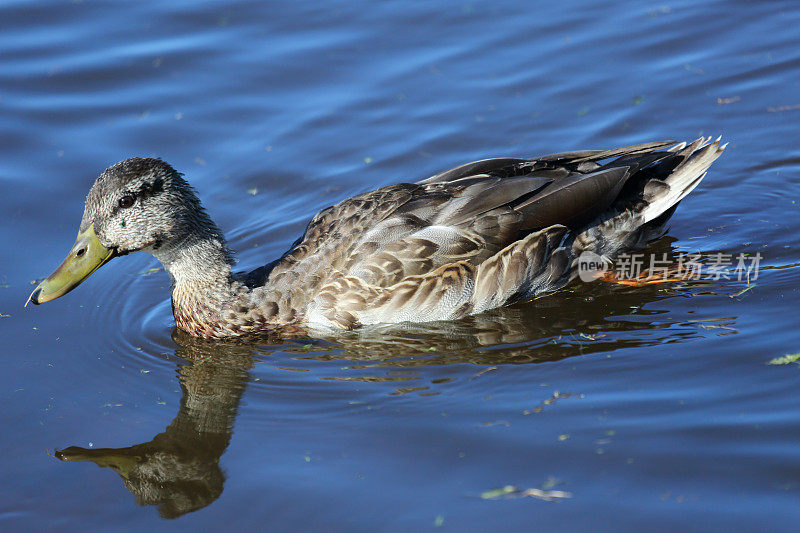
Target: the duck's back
(479, 235)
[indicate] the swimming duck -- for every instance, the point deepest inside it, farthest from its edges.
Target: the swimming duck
(469, 239)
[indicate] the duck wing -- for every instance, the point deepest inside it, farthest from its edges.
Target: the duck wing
(508, 215)
(469, 212)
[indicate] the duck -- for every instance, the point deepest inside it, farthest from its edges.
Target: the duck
(472, 238)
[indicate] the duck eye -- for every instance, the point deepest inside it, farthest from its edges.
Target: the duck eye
(126, 201)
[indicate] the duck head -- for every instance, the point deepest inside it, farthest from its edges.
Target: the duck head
(140, 204)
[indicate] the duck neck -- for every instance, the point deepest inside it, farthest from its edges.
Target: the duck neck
(203, 262)
(202, 280)
(207, 299)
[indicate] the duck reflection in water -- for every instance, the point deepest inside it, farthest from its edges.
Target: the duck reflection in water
(179, 470)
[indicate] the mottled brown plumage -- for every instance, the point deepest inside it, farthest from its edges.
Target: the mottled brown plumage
(464, 241)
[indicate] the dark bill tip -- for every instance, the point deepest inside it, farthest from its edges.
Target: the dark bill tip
(34, 297)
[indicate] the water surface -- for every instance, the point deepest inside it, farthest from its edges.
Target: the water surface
(652, 406)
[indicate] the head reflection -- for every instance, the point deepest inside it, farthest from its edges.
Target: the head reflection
(178, 470)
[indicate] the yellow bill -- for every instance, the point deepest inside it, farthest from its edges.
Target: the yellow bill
(86, 256)
(118, 459)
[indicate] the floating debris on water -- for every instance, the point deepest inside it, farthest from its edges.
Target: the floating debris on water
(734, 295)
(510, 491)
(549, 401)
(783, 108)
(495, 423)
(785, 360)
(482, 372)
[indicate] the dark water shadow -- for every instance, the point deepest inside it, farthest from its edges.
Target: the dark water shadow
(179, 471)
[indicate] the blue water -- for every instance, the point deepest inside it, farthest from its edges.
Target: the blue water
(653, 407)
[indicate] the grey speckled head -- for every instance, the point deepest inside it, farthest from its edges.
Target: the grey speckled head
(143, 203)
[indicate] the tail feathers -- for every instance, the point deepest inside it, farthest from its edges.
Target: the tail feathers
(662, 195)
(584, 156)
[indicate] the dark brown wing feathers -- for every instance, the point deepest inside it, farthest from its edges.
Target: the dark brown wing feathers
(469, 238)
